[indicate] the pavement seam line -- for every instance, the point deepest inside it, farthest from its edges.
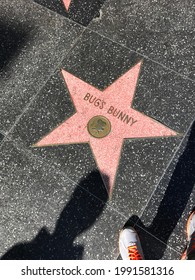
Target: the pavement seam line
(141, 54)
(158, 239)
(37, 93)
(121, 45)
(168, 166)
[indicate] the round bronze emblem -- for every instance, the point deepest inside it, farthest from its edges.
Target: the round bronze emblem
(99, 127)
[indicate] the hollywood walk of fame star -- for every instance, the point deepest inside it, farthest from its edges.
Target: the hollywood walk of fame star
(95, 111)
(67, 4)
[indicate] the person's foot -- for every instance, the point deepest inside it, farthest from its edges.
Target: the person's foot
(190, 232)
(129, 245)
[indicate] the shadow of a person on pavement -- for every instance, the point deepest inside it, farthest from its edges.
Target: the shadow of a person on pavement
(172, 205)
(85, 206)
(12, 40)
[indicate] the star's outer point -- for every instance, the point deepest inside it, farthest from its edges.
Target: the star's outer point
(114, 103)
(67, 4)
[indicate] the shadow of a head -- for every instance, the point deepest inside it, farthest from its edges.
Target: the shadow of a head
(85, 206)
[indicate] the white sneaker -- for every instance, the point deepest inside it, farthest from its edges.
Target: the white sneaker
(129, 245)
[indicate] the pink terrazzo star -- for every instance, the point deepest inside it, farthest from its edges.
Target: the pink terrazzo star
(67, 4)
(114, 103)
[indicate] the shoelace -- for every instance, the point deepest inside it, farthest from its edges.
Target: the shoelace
(134, 253)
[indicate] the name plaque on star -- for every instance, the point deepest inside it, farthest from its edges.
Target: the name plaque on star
(110, 110)
(103, 119)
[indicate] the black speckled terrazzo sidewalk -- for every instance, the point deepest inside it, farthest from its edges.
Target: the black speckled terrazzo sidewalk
(65, 193)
